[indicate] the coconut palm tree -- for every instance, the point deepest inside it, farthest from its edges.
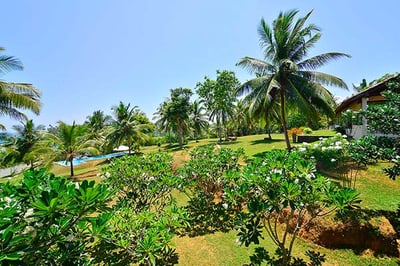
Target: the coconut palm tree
(97, 122)
(16, 96)
(69, 141)
(286, 74)
(173, 115)
(262, 106)
(198, 118)
(27, 136)
(130, 126)
(98, 127)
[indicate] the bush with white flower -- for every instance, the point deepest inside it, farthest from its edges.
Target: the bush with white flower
(145, 215)
(385, 118)
(206, 178)
(329, 153)
(284, 188)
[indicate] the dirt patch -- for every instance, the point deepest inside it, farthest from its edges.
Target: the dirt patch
(376, 238)
(87, 175)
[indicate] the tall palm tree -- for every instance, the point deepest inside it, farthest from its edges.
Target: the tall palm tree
(241, 122)
(262, 106)
(285, 73)
(198, 118)
(16, 96)
(130, 126)
(69, 142)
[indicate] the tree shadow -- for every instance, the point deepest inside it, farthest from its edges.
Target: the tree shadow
(174, 147)
(264, 141)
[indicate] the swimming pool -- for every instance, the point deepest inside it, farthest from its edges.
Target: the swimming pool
(78, 161)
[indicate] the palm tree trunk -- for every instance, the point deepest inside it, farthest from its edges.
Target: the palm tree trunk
(283, 118)
(71, 167)
(180, 137)
(267, 126)
(219, 130)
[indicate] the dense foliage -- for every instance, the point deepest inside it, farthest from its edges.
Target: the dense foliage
(205, 180)
(284, 188)
(48, 220)
(219, 98)
(145, 216)
(131, 217)
(385, 119)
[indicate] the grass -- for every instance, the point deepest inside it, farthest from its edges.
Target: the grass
(222, 249)
(377, 191)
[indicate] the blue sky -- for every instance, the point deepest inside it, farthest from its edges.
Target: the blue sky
(89, 55)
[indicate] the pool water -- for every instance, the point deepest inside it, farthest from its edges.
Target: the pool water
(78, 161)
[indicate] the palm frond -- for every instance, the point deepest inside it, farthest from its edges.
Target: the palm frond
(323, 78)
(250, 85)
(254, 65)
(320, 60)
(266, 40)
(9, 63)
(301, 49)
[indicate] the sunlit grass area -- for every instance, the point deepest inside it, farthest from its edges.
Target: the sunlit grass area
(377, 191)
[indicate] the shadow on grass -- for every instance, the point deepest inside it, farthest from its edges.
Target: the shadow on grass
(174, 147)
(261, 154)
(265, 141)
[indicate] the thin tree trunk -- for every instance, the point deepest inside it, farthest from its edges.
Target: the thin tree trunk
(267, 126)
(283, 118)
(180, 137)
(71, 167)
(219, 131)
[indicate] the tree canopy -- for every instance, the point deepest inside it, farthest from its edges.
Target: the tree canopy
(286, 74)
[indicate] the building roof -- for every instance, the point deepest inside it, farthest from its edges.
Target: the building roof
(375, 89)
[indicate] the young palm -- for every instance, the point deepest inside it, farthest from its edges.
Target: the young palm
(98, 127)
(173, 115)
(16, 96)
(27, 137)
(130, 126)
(198, 117)
(286, 74)
(67, 143)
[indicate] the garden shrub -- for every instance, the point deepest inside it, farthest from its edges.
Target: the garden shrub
(306, 130)
(145, 216)
(384, 118)
(205, 181)
(142, 182)
(329, 153)
(285, 188)
(49, 220)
